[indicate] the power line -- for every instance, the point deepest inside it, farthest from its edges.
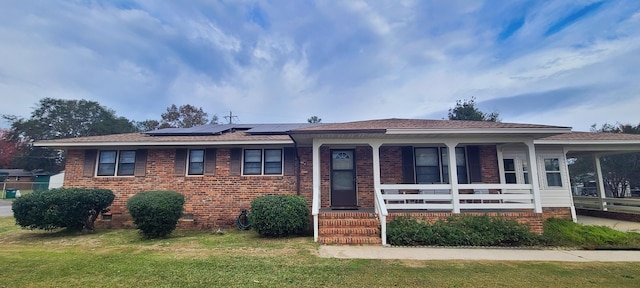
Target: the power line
(230, 117)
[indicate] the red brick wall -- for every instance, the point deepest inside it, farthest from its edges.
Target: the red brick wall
(215, 201)
(391, 165)
(489, 164)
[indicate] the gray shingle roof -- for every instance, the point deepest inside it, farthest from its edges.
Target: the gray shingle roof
(394, 123)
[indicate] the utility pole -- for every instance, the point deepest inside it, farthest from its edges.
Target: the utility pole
(230, 117)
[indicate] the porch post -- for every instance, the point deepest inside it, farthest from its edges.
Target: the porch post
(316, 187)
(453, 176)
(535, 181)
(376, 164)
(600, 181)
(375, 147)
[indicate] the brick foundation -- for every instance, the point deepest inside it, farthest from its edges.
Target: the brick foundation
(535, 221)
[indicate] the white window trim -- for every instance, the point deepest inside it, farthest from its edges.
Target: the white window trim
(518, 160)
(204, 157)
(262, 162)
(542, 174)
(117, 164)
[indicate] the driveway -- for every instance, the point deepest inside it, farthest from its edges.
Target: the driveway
(5, 208)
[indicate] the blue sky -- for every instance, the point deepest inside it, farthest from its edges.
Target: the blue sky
(571, 63)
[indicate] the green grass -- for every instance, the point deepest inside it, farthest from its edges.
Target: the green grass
(562, 232)
(122, 258)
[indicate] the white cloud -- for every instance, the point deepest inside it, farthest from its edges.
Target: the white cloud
(340, 61)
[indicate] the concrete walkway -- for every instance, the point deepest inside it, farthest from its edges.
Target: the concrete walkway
(475, 254)
(494, 254)
(625, 226)
(5, 208)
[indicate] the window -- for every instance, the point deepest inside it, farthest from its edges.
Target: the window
(116, 163)
(196, 162)
(510, 174)
(262, 162)
(552, 169)
(515, 167)
(432, 165)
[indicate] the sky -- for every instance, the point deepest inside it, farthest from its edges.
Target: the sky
(568, 63)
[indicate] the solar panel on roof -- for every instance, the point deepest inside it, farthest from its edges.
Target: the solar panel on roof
(213, 129)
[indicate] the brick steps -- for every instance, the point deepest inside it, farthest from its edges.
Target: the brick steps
(349, 228)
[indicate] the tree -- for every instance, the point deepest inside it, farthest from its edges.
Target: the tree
(59, 118)
(148, 125)
(183, 117)
(9, 150)
(314, 119)
(619, 171)
(467, 110)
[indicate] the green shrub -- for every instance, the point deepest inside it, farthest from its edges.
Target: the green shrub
(72, 208)
(279, 215)
(156, 213)
(460, 231)
(563, 232)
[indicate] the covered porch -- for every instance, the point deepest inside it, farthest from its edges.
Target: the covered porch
(471, 180)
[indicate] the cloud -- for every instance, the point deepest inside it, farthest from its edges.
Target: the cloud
(276, 61)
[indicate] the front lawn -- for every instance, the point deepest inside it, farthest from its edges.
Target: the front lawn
(121, 258)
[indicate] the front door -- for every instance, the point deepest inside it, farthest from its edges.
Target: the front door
(343, 179)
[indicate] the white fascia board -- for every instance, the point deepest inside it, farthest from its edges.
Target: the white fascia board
(192, 143)
(480, 131)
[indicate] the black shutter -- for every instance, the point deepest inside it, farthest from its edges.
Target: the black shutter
(408, 168)
(235, 164)
(289, 161)
(89, 162)
(210, 161)
(180, 163)
(475, 170)
(141, 163)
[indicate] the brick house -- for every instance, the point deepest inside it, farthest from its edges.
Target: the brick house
(356, 176)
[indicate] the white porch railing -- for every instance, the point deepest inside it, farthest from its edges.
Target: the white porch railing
(471, 196)
(381, 210)
(628, 205)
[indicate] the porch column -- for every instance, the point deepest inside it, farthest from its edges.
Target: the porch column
(535, 181)
(375, 147)
(600, 182)
(453, 176)
(315, 206)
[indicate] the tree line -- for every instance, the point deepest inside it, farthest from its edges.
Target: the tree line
(60, 118)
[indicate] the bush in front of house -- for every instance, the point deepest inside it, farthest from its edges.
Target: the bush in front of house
(73, 208)
(156, 213)
(279, 215)
(460, 231)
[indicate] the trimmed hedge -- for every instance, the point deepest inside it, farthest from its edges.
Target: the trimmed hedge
(460, 231)
(156, 213)
(279, 215)
(72, 208)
